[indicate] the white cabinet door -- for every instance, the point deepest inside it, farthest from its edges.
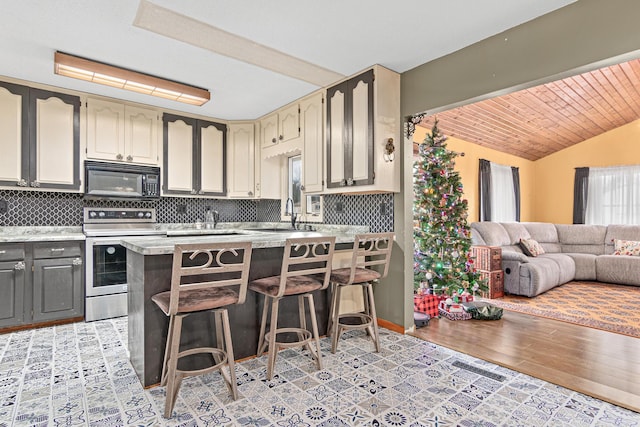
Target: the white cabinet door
(13, 111)
(337, 148)
(179, 157)
(269, 131)
(288, 123)
(118, 132)
(241, 160)
(105, 130)
(141, 135)
(212, 179)
(54, 140)
(311, 122)
(56, 162)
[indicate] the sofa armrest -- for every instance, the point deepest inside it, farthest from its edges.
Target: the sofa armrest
(514, 256)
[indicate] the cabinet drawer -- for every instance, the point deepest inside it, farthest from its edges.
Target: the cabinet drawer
(56, 250)
(11, 252)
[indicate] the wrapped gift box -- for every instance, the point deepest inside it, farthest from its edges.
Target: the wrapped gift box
(487, 258)
(453, 312)
(427, 304)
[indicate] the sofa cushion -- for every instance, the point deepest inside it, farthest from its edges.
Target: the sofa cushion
(546, 234)
(493, 233)
(585, 265)
(618, 269)
(531, 247)
(566, 266)
(581, 238)
(516, 232)
(537, 276)
(626, 247)
(620, 232)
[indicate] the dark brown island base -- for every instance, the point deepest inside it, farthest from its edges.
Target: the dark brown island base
(149, 262)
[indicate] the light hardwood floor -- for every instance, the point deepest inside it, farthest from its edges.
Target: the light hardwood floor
(594, 362)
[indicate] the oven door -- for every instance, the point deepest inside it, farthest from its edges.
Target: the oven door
(106, 266)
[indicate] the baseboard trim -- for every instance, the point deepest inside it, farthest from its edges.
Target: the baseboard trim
(391, 326)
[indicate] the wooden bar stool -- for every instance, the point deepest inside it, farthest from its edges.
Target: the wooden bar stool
(369, 250)
(205, 277)
(306, 265)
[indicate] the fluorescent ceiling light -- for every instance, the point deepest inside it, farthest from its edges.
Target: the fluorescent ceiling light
(109, 75)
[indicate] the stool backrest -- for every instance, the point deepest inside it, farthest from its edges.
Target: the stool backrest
(372, 249)
(307, 256)
(211, 265)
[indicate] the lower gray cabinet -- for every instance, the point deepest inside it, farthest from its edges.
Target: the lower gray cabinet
(12, 281)
(40, 282)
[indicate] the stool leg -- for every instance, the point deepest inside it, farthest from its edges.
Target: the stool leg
(301, 313)
(233, 382)
(314, 325)
(335, 333)
(263, 327)
(167, 349)
(332, 307)
(173, 380)
(374, 318)
(273, 331)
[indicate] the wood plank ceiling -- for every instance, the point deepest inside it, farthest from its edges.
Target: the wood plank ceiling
(535, 122)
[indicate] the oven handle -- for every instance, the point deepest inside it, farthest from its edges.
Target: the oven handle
(102, 241)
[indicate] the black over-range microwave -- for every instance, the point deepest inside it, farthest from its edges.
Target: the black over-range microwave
(103, 180)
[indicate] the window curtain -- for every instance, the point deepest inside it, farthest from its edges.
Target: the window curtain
(485, 190)
(613, 195)
(499, 192)
(580, 187)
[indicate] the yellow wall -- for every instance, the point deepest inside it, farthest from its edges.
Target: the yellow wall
(546, 185)
(468, 165)
(555, 173)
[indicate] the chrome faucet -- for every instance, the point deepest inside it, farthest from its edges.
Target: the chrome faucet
(293, 214)
(216, 218)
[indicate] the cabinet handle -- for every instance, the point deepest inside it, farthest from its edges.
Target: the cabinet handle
(302, 188)
(350, 181)
(194, 192)
(19, 266)
(343, 182)
(77, 261)
(35, 184)
(201, 192)
(129, 158)
(22, 183)
(250, 193)
(3, 252)
(281, 137)
(119, 156)
(273, 140)
(57, 249)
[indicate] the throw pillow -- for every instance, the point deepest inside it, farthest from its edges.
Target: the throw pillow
(626, 247)
(531, 247)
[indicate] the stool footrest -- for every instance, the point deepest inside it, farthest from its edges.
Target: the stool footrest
(219, 356)
(304, 337)
(365, 321)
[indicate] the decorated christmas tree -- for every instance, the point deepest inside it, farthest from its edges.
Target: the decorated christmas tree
(442, 238)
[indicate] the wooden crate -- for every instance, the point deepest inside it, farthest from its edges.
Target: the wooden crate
(487, 258)
(495, 283)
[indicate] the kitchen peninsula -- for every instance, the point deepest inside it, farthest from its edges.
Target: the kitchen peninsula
(149, 261)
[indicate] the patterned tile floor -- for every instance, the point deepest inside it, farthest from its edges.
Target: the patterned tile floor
(80, 375)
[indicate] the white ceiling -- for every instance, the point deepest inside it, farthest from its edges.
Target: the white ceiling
(341, 36)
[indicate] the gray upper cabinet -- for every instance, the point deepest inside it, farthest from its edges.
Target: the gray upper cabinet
(363, 127)
(194, 156)
(350, 132)
(40, 138)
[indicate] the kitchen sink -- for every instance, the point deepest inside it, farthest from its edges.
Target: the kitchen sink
(275, 230)
(204, 232)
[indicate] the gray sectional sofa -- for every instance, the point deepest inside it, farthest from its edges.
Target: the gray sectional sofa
(572, 252)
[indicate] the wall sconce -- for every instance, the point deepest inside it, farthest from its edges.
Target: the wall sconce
(109, 75)
(389, 150)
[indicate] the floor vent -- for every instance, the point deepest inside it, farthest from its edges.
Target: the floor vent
(479, 371)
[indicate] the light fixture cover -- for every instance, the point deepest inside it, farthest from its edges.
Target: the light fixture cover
(109, 75)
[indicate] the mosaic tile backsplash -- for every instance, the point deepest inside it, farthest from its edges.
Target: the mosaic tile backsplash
(40, 208)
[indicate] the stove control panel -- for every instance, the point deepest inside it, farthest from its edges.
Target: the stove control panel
(98, 215)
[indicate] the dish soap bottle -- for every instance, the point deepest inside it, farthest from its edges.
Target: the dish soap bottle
(209, 222)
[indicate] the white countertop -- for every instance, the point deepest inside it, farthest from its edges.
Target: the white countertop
(39, 234)
(155, 245)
